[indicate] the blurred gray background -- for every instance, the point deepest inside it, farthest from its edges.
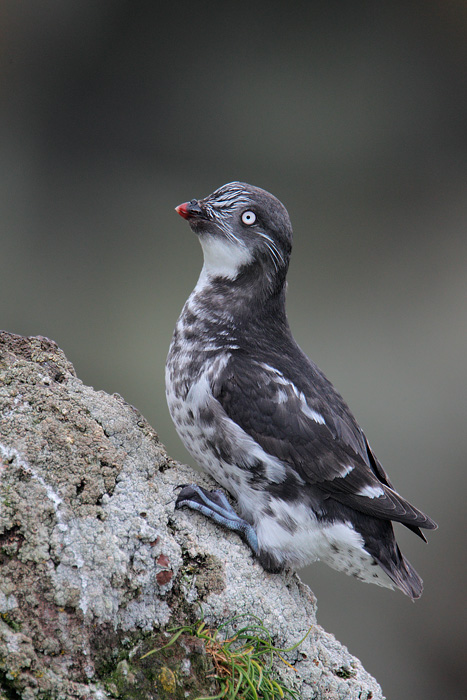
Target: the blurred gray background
(355, 116)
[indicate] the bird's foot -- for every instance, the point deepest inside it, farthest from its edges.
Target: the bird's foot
(214, 505)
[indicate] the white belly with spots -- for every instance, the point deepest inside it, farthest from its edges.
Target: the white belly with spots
(338, 544)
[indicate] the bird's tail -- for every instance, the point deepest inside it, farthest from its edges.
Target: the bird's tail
(381, 543)
(401, 572)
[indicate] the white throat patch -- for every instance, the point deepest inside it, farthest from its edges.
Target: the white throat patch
(223, 258)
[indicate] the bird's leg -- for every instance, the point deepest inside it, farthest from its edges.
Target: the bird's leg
(214, 505)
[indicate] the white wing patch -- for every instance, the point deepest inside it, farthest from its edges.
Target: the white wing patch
(371, 492)
(281, 396)
(309, 412)
(346, 470)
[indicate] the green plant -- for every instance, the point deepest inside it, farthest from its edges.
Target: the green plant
(242, 663)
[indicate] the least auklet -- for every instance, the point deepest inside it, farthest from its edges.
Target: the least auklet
(263, 420)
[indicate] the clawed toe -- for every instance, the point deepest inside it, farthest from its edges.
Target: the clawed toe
(214, 505)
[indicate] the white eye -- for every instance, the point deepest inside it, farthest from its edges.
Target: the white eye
(248, 218)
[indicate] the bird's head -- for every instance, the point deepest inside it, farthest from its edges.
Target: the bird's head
(242, 229)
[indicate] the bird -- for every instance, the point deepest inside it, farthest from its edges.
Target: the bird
(261, 418)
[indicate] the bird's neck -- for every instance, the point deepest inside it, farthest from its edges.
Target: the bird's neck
(242, 302)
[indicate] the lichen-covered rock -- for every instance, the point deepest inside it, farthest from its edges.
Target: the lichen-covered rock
(95, 566)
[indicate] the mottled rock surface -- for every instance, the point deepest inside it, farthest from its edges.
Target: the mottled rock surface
(95, 565)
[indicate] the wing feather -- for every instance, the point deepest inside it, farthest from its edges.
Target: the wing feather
(307, 425)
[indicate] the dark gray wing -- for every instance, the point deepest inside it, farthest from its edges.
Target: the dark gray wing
(309, 427)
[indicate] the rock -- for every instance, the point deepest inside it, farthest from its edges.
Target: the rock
(96, 566)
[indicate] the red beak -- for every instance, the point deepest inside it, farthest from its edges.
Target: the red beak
(190, 210)
(183, 210)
